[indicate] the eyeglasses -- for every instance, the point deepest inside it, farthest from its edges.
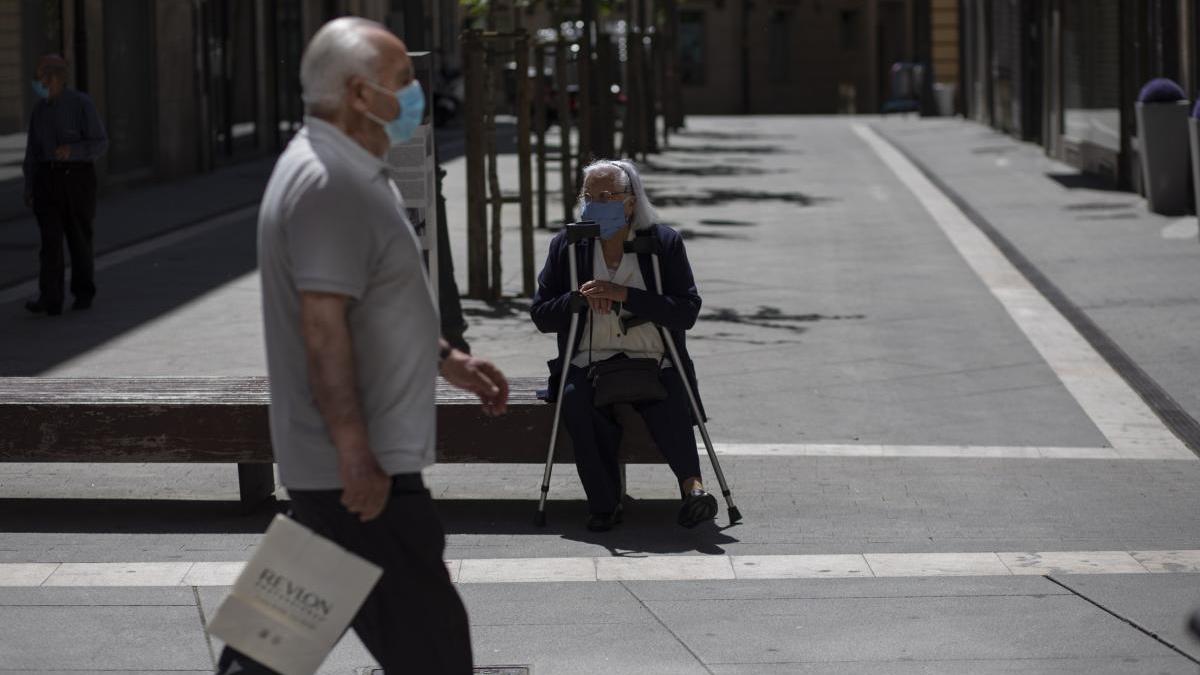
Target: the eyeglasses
(603, 196)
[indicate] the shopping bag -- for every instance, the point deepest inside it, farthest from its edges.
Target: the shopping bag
(294, 599)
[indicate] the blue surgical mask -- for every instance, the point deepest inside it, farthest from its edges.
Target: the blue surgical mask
(412, 110)
(40, 89)
(610, 216)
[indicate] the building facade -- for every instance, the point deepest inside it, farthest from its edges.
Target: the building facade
(797, 56)
(1066, 73)
(183, 86)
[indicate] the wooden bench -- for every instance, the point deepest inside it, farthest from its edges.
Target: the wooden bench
(224, 420)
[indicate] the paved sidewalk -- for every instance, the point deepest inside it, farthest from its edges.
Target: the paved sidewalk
(1134, 273)
(127, 216)
(897, 429)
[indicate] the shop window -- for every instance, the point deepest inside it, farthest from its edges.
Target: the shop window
(1091, 72)
(691, 47)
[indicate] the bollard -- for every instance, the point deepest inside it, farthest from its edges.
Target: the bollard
(1162, 113)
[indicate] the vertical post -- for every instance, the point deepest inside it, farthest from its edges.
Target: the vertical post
(473, 74)
(564, 126)
(587, 88)
(634, 119)
(496, 197)
(650, 100)
(524, 163)
(602, 138)
(674, 88)
(539, 123)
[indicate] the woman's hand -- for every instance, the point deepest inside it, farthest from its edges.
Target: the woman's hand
(602, 294)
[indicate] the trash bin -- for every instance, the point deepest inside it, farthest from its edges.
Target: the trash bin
(1162, 114)
(943, 94)
(1194, 132)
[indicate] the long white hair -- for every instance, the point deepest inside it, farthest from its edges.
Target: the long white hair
(626, 173)
(339, 50)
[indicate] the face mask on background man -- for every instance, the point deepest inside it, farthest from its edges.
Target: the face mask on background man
(412, 110)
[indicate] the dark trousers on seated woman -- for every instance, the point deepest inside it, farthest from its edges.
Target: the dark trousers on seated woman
(596, 436)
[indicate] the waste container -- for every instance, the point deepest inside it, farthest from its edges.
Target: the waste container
(1194, 132)
(1162, 114)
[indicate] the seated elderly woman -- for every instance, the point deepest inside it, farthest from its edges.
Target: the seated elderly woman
(620, 287)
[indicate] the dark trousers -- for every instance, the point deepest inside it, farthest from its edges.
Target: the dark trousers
(64, 203)
(413, 621)
(596, 436)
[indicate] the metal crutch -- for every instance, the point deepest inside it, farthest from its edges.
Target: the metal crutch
(575, 233)
(645, 243)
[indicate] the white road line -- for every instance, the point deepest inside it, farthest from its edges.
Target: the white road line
(107, 260)
(934, 451)
(1117, 411)
(651, 568)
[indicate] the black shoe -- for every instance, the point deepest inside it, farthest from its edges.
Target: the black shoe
(698, 506)
(39, 307)
(81, 303)
(603, 522)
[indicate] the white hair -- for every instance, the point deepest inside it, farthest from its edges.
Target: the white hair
(644, 214)
(338, 51)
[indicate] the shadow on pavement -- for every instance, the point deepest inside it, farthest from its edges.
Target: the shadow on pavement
(718, 197)
(649, 526)
(1082, 181)
(134, 516)
(657, 168)
(131, 294)
(729, 149)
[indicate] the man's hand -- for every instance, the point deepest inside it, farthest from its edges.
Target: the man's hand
(62, 153)
(365, 487)
(602, 294)
(478, 376)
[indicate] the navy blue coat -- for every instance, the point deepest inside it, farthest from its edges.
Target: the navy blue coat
(676, 310)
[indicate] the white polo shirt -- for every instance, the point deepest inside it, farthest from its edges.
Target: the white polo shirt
(332, 221)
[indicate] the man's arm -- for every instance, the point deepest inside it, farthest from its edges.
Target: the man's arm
(478, 376)
(95, 140)
(331, 375)
(27, 165)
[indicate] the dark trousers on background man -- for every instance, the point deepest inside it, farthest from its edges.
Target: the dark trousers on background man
(64, 203)
(413, 621)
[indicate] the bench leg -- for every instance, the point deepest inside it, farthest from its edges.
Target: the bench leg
(256, 483)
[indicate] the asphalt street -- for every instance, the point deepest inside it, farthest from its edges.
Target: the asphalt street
(938, 473)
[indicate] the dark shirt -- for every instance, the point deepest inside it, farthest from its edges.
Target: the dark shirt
(69, 120)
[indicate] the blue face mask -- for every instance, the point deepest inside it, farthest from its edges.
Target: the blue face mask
(610, 216)
(40, 89)
(412, 110)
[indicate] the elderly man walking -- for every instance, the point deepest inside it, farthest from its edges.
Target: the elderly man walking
(353, 349)
(65, 138)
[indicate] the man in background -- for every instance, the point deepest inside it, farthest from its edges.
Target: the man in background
(65, 139)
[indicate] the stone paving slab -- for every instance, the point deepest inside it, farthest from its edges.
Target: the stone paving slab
(86, 637)
(1064, 666)
(1114, 259)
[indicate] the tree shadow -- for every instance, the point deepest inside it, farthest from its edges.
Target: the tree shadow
(1084, 181)
(649, 524)
(716, 222)
(690, 234)
(729, 149)
(704, 170)
(505, 308)
(722, 196)
(773, 317)
(731, 136)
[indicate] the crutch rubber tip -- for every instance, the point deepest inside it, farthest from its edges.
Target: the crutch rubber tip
(735, 516)
(539, 519)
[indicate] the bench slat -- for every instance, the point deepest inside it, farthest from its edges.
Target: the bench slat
(224, 420)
